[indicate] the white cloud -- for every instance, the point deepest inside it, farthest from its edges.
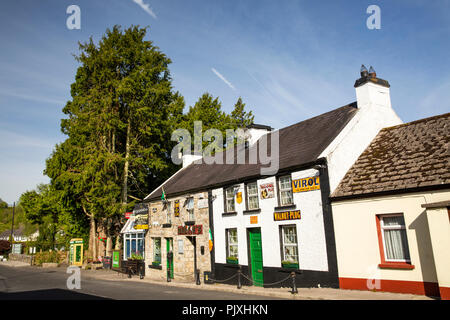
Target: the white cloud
(223, 78)
(145, 7)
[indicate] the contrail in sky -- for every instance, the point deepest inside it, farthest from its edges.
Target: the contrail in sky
(217, 73)
(146, 7)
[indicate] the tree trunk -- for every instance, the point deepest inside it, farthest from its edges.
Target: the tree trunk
(92, 252)
(109, 246)
(127, 163)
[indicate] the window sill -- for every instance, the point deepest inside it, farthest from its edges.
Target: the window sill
(251, 211)
(291, 206)
(396, 265)
(167, 225)
(159, 267)
(189, 223)
(229, 214)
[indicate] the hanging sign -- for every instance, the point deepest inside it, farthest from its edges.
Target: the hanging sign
(267, 190)
(140, 208)
(306, 184)
(190, 230)
(239, 197)
(287, 215)
(176, 208)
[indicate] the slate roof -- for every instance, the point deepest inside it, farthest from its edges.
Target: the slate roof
(403, 157)
(299, 144)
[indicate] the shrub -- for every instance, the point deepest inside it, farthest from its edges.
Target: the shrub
(46, 257)
(5, 246)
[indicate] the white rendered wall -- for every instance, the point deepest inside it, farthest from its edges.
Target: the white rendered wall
(310, 229)
(374, 113)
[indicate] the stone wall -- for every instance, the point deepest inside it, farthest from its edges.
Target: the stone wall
(20, 257)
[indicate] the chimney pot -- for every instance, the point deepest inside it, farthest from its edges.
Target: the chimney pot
(372, 72)
(363, 71)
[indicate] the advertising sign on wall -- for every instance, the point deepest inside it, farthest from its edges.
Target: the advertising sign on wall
(306, 184)
(176, 208)
(190, 230)
(287, 215)
(267, 190)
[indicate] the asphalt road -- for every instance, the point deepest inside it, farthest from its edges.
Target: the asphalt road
(43, 284)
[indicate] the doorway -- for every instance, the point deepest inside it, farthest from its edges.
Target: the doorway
(169, 248)
(256, 258)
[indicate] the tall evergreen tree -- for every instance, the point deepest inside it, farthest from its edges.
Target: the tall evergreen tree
(118, 124)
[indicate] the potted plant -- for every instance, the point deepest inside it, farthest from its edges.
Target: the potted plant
(232, 260)
(289, 264)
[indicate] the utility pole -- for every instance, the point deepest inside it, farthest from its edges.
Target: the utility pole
(12, 226)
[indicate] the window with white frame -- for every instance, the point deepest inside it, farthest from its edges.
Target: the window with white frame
(169, 212)
(157, 250)
(285, 187)
(232, 243)
(395, 242)
(252, 196)
(134, 244)
(289, 245)
(229, 200)
(190, 208)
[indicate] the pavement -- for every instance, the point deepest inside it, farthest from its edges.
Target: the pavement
(275, 293)
(271, 293)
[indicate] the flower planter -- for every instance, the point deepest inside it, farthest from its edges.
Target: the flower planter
(232, 261)
(156, 264)
(290, 265)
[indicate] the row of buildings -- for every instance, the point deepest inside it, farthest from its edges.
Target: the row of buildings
(359, 201)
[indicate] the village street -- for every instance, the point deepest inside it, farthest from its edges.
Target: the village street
(40, 283)
(50, 284)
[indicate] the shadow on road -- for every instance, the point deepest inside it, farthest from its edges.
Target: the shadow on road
(49, 294)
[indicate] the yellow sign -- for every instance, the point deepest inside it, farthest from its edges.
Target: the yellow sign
(287, 215)
(141, 226)
(239, 197)
(306, 184)
(176, 208)
(253, 219)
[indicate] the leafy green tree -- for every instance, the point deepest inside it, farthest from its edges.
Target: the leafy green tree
(3, 204)
(118, 124)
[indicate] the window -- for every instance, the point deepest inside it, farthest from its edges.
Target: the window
(229, 200)
(180, 246)
(252, 196)
(134, 244)
(285, 187)
(394, 240)
(232, 243)
(169, 212)
(157, 250)
(190, 208)
(289, 247)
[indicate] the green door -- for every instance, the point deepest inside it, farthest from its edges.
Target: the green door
(169, 247)
(256, 260)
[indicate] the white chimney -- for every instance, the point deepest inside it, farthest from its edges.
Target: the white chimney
(255, 131)
(372, 91)
(190, 158)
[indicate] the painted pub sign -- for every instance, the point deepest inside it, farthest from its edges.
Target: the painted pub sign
(140, 212)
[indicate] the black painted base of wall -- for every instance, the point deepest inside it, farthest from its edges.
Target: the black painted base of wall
(303, 279)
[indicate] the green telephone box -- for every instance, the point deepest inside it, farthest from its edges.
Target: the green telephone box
(76, 252)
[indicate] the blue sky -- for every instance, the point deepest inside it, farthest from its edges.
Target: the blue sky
(288, 60)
